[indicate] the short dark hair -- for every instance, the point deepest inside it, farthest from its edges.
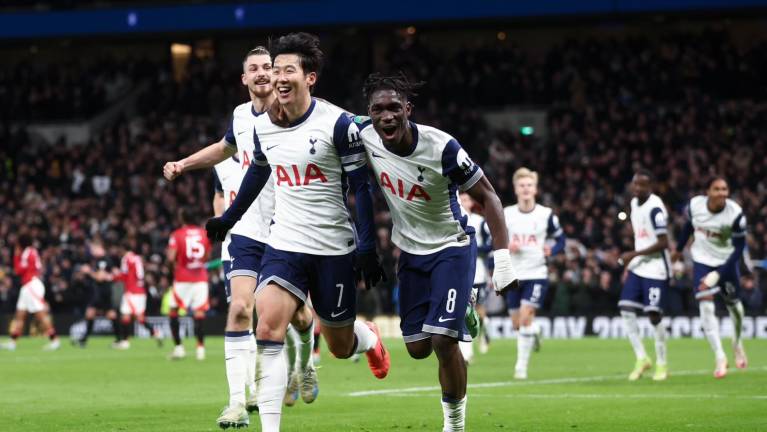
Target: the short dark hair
(305, 45)
(259, 50)
(25, 240)
(712, 179)
(645, 172)
(398, 82)
(185, 215)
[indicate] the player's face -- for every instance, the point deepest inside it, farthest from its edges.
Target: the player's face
(257, 75)
(718, 193)
(640, 187)
(525, 188)
(289, 80)
(389, 112)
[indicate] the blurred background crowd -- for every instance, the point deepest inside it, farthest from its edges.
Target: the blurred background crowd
(685, 104)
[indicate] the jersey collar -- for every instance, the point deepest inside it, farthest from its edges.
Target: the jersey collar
(414, 131)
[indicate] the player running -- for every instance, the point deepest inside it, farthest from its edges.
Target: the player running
(530, 224)
(133, 302)
(312, 147)
(27, 265)
(231, 157)
(188, 250)
(647, 272)
(719, 228)
(420, 170)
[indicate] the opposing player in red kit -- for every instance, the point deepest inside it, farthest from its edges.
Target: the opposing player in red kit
(27, 265)
(188, 249)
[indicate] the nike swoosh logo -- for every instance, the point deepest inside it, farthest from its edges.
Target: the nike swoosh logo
(378, 155)
(229, 358)
(445, 319)
(269, 148)
(333, 315)
(240, 133)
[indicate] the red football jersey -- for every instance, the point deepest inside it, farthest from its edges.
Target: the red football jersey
(132, 273)
(192, 250)
(27, 265)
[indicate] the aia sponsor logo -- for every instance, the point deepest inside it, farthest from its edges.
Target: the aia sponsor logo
(292, 176)
(402, 189)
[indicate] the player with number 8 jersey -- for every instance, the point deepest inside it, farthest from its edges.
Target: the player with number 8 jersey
(420, 170)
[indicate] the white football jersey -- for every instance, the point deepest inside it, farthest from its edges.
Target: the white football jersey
(649, 220)
(475, 221)
(529, 231)
(714, 231)
(309, 160)
(254, 224)
(421, 188)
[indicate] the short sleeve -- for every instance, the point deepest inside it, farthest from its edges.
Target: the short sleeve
(458, 166)
(739, 226)
(659, 222)
(229, 138)
(348, 143)
(554, 229)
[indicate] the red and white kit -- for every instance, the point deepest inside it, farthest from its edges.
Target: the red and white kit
(28, 267)
(190, 281)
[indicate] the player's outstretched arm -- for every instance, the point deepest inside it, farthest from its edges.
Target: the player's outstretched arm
(738, 242)
(370, 267)
(254, 180)
(203, 158)
(504, 276)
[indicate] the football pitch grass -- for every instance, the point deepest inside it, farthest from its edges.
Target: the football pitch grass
(575, 385)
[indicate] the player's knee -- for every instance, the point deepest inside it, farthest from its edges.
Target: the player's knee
(112, 315)
(420, 349)
(199, 315)
(303, 318)
(239, 308)
(444, 346)
(655, 317)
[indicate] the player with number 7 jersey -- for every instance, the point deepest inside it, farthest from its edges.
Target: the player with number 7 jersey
(189, 249)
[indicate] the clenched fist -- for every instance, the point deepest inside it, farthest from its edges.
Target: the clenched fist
(171, 170)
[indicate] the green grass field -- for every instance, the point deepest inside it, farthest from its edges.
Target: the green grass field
(576, 385)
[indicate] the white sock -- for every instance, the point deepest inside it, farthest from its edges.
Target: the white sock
(710, 325)
(660, 343)
(252, 364)
(525, 342)
(305, 344)
(632, 331)
(454, 415)
(272, 378)
(290, 349)
(467, 350)
(736, 313)
(366, 339)
(237, 354)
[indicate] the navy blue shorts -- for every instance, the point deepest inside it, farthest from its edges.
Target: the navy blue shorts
(728, 286)
(531, 292)
(643, 293)
(329, 280)
(434, 291)
(227, 283)
(246, 255)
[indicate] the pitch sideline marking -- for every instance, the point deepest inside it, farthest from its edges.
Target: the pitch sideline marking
(529, 383)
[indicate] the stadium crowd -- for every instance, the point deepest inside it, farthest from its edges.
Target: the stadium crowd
(683, 106)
